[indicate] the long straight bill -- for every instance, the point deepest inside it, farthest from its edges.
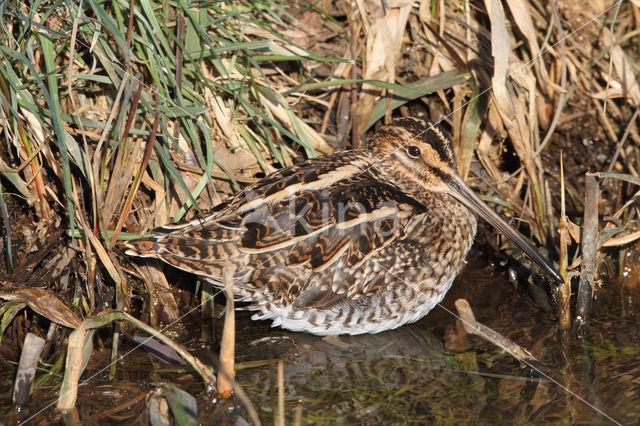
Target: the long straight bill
(461, 192)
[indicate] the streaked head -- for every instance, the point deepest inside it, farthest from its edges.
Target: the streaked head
(418, 156)
(414, 153)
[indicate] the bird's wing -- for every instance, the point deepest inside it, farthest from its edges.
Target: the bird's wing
(323, 238)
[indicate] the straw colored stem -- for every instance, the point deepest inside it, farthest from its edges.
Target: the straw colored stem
(472, 326)
(280, 417)
(227, 346)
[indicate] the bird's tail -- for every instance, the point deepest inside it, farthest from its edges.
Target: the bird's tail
(142, 247)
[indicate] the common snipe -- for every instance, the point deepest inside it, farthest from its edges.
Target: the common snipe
(354, 242)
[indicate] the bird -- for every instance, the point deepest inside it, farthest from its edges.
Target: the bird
(357, 241)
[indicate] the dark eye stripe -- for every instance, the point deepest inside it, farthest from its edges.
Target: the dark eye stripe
(438, 172)
(434, 140)
(432, 135)
(441, 174)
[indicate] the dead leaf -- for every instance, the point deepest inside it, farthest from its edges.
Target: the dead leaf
(622, 66)
(44, 303)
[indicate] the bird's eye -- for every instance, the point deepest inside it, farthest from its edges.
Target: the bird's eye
(413, 151)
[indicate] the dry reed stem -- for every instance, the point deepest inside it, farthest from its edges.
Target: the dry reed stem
(472, 326)
(297, 416)
(279, 421)
(227, 346)
(589, 250)
(22, 386)
(564, 289)
(281, 114)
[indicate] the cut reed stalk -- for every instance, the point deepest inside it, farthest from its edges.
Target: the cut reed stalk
(589, 251)
(564, 289)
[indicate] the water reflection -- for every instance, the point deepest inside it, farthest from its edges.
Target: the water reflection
(323, 363)
(426, 372)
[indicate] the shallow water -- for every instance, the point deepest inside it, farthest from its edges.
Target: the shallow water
(427, 371)
(433, 371)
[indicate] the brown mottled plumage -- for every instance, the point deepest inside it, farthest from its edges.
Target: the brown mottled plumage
(354, 242)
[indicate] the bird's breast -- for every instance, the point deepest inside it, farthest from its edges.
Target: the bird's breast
(435, 246)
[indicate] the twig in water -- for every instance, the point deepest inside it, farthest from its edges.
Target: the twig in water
(472, 326)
